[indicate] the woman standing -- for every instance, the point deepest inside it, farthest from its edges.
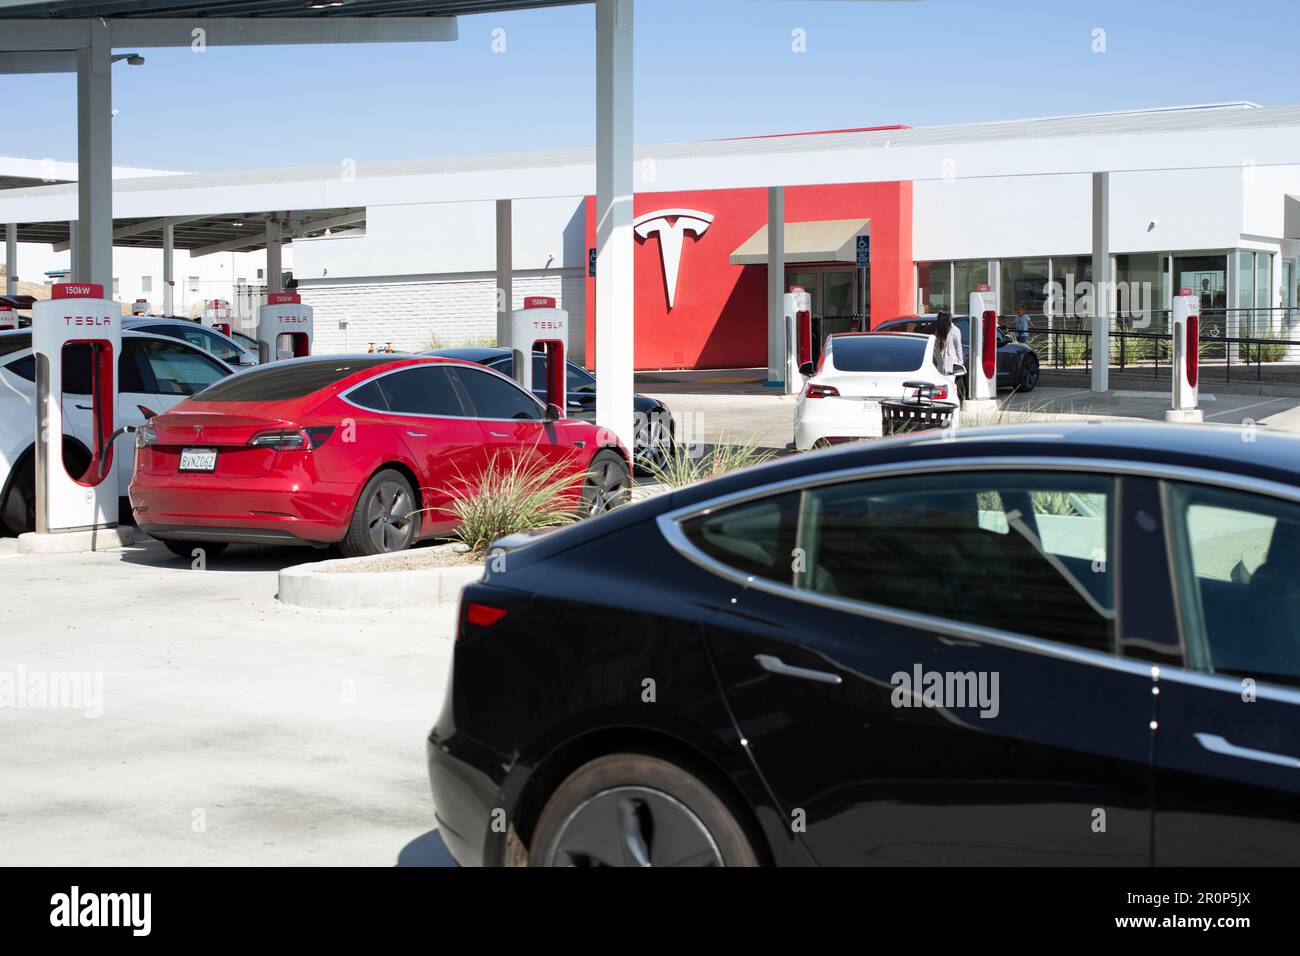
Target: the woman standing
(947, 347)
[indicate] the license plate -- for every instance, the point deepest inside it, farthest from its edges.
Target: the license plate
(198, 459)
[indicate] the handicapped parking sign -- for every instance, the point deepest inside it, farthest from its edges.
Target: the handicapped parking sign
(864, 252)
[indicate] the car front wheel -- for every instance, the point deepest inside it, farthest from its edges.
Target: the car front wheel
(638, 810)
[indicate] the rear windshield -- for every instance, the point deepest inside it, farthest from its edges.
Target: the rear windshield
(878, 353)
(286, 380)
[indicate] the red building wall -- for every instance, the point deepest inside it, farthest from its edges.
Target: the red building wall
(719, 318)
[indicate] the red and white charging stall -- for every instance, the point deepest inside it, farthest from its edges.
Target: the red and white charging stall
(982, 369)
(797, 307)
(283, 315)
(8, 317)
(78, 315)
(541, 327)
(1186, 329)
(216, 315)
(140, 307)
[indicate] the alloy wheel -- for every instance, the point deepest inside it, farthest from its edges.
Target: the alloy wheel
(634, 826)
(389, 517)
(606, 487)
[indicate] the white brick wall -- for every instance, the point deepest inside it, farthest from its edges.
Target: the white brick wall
(410, 313)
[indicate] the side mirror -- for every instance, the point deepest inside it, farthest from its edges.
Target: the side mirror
(246, 360)
(958, 370)
(807, 369)
(553, 413)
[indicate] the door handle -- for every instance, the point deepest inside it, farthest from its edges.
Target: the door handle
(416, 434)
(778, 666)
(1219, 745)
(86, 408)
(498, 434)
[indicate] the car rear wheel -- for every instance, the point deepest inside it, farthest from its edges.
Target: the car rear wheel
(386, 518)
(186, 549)
(607, 485)
(1029, 374)
(654, 446)
(637, 810)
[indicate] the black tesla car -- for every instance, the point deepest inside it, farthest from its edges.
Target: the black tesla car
(1060, 644)
(655, 429)
(1017, 362)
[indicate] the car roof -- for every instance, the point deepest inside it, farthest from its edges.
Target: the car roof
(469, 353)
(1140, 445)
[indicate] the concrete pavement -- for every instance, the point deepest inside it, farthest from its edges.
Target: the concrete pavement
(234, 730)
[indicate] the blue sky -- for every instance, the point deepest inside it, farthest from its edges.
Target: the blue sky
(703, 70)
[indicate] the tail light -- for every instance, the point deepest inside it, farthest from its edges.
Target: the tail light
(822, 391)
(292, 439)
(1193, 348)
(483, 615)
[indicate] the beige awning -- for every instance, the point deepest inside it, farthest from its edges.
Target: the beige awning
(828, 240)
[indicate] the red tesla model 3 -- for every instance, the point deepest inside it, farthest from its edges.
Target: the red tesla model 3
(359, 451)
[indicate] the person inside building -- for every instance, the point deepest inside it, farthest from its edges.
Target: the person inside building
(1022, 324)
(947, 345)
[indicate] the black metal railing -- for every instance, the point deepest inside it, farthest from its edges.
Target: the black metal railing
(1228, 337)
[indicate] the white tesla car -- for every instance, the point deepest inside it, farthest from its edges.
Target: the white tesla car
(154, 373)
(840, 400)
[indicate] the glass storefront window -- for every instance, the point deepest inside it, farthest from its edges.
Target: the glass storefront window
(1068, 274)
(934, 283)
(1139, 286)
(967, 277)
(1023, 282)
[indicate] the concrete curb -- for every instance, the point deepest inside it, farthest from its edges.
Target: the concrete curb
(74, 542)
(313, 586)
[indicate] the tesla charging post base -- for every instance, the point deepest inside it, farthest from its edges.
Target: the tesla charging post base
(798, 337)
(283, 314)
(540, 323)
(982, 369)
(1186, 329)
(76, 512)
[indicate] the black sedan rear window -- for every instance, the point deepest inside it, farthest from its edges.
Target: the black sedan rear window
(878, 353)
(280, 381)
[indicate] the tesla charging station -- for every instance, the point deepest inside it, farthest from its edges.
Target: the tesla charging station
(798, 336)
(283, 314)
(8, 318)
(1187, 343)
(540, 323)
(216, 315)
(78, 316)
(982, 369)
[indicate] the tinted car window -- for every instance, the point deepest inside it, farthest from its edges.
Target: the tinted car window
(1237, 558)
(424, 390)
(877, 353)
(279, 381)
(754, 538)
(199, 337)
(493, 397)
(369, 395)
(76, 369)
(166, 368)
(24, 367)
(579, 379)
(1024, 552)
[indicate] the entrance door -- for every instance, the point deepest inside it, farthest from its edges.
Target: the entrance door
(834, 292)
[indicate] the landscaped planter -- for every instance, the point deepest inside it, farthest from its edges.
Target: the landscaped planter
(424, 577)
